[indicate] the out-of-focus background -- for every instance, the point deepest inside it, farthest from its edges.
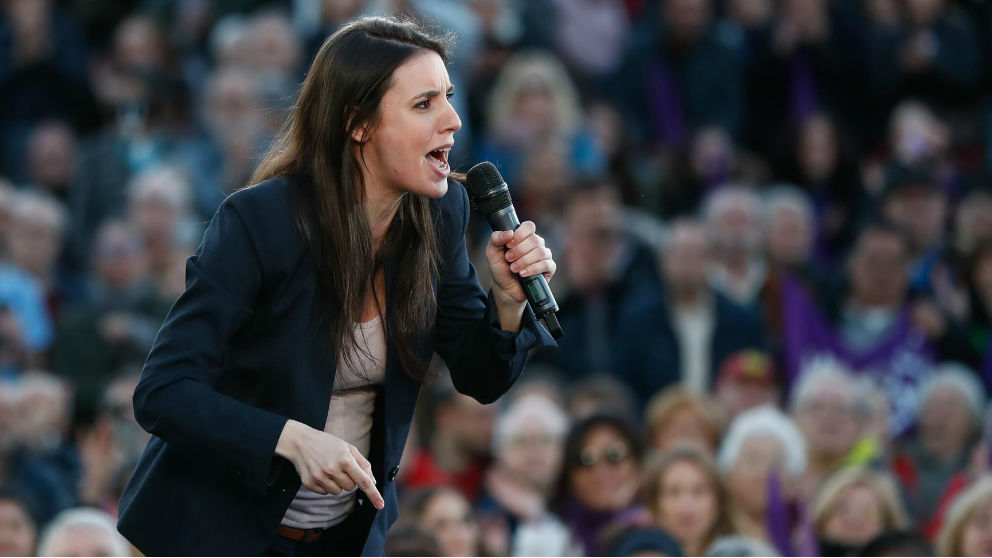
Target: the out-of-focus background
(773, 221)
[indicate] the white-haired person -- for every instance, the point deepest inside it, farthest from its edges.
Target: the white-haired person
(82, 532)
(968, 528)
(760, 443)
(855, 505)
(832, 411)
(949, 425)
(528, 438)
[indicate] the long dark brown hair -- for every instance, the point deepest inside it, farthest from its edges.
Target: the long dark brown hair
(341, 93)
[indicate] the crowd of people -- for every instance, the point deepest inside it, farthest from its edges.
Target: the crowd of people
(773, 220)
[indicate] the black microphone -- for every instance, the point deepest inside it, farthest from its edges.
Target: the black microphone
(490, 196)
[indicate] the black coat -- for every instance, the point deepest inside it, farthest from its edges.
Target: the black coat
(242, 351)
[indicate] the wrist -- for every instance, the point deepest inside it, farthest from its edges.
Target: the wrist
(289, 439)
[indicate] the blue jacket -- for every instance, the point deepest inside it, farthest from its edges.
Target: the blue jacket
(242, 351)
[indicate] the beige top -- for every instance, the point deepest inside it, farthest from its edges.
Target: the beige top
(349, 417)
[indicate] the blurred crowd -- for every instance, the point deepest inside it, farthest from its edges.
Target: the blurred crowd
(773, 221)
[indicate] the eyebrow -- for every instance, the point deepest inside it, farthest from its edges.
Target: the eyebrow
(431, 94)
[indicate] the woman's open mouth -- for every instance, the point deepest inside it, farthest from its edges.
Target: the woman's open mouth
(439, 160)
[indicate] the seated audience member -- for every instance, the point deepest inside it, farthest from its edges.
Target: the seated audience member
(445, 514)
(760, 443)
(600, 394)
(83, 532)
(18, 530)
(949, 425)
(745, 380)
(832, 413)
(682, 335)
(685, 497)
(967, 531)
(740, 546)
(733, 221)
(898, 543)
(854, 506)
(527, 445)
(677, 416)
(406, 539)
(600, 479)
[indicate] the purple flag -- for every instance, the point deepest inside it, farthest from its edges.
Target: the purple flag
(777, 517)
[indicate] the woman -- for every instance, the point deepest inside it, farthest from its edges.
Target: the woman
(677, 416)
(854, 506)
(968, 529)
(281, 387)
(685, 498)
(445, 514)
(760, 443)
(600, 478)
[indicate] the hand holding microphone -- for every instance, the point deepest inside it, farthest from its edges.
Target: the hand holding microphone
(520, 262)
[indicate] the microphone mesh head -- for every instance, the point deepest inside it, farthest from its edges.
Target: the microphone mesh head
(486, 188)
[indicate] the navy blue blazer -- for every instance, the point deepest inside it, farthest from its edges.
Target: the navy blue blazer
(243, 350)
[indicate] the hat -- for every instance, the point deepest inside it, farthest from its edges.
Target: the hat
(637, 540)
(749, 365)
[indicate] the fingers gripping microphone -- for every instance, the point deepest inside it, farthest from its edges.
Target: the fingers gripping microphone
(490, 197)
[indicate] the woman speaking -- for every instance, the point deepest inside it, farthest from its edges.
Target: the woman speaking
(281, 386)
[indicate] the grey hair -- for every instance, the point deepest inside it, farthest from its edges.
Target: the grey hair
(764, 421)
(736, 545)
(165, 181)
(38, 207)
(726, 197)
(825, 369)
(961, 378)
(782, 196)
(527, 408)
(91, 518)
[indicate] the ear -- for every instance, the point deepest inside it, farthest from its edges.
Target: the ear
(360, 133)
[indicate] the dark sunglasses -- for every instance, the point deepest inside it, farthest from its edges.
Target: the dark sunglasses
(614, 455)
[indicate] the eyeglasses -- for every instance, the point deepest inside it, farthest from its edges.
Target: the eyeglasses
(614, 455)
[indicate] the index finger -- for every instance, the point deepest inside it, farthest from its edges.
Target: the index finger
(364, 481)
(525, 229)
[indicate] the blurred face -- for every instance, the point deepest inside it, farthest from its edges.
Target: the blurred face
(449, 518)
(817, 148)
(920, 210)
(712, 152)
(749, 13)
(737, 396)
(976, 538)
(233, 106)
(51, 156)
(789, 237)
(855, 518)
(736, 231)
(606, 476)
(687, 503)
(686, 258)
(120, 258)
(17, 531)
(275, 45)
(594, 241)
(138, 44)
(878, 270)
(469, 422)
(407, 150)
(973, 218)
(686, 426)
(534, 452)
(747, 481)
(83, 541)
(946, 418)
(830, 421)
(924, 12)
(687, 19)
(155, 216)
(35, 243)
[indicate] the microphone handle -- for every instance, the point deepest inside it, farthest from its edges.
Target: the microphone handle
(536, 286)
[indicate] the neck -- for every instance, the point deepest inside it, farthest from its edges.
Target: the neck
(380, 208)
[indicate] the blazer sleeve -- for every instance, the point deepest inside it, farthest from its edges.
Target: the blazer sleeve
(483, 359)
(174, 399)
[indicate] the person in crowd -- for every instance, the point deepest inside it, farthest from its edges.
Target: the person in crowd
(600, 479)
(445, 514)
(831, 410)
(900, 542)
(740, 546)
(683, 335)
(676, 416)
(51, 158)
(643, 541)
(967, 531)
(684, 494)
(745, 380)
(604, 267)
(82, 532)
(458, 439)
(18, 530)
(949, 424)
(760, 443)
(854, 506)
(600, 393)
(733, 221)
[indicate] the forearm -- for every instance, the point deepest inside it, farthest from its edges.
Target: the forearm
(510, 312)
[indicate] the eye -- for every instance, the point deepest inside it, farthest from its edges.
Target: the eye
(425, 104)
(449, 94)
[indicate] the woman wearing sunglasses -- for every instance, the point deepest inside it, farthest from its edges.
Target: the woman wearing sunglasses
(600, 479)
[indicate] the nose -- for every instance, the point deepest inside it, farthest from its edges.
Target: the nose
(450, 122)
